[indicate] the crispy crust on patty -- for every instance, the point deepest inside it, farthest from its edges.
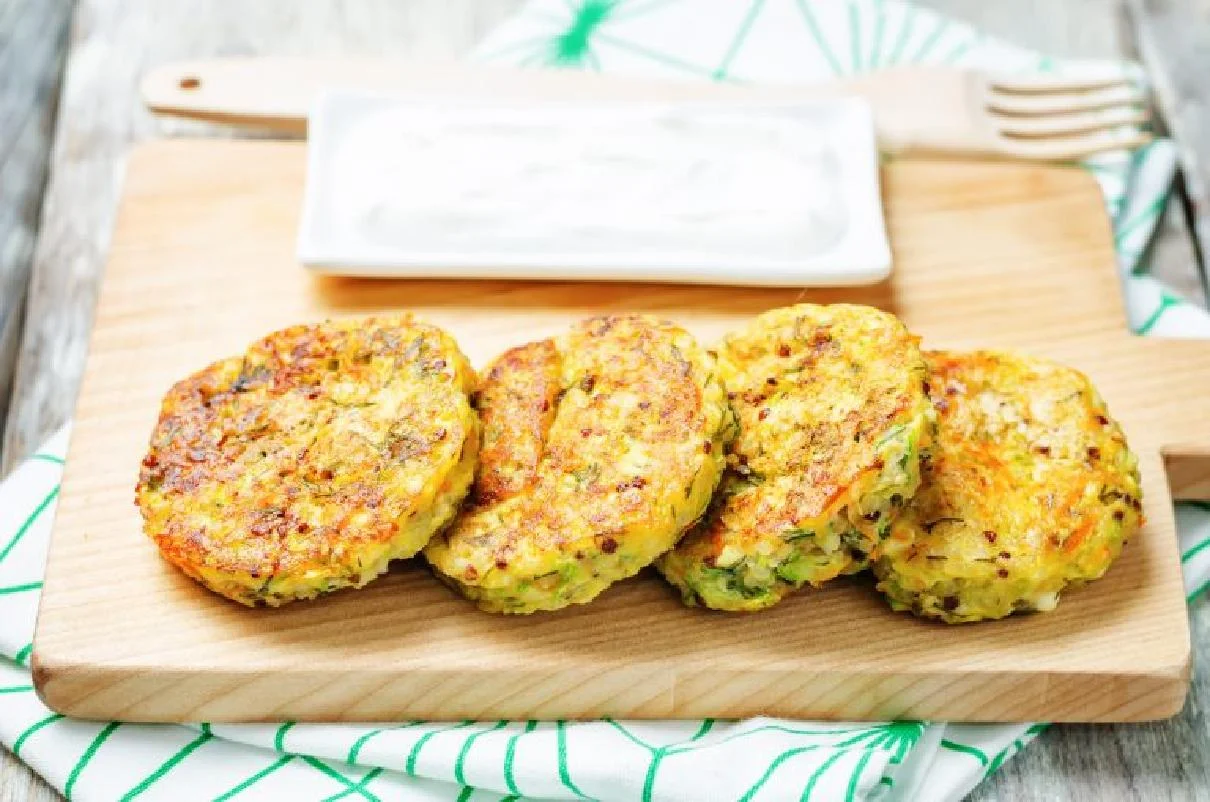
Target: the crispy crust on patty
(833, 419)
(312, 460)
(599, 449)
(1031, 488)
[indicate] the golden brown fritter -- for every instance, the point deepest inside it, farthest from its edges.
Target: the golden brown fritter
(311, 461)
(1031, 488)
(833, 420)
(599, 449)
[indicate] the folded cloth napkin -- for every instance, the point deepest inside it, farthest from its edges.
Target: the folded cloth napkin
(695, 761)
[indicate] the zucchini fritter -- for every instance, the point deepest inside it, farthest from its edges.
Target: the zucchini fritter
(1031, 488)
(599, 449)
(833, 419)
(311, 461)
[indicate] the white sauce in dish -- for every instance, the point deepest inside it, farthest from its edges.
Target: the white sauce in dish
(554, 181)
(718, 193)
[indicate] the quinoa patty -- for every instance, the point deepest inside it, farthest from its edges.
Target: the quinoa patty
(833, 419)
(312, 460)
(599, 449)
(1031, 488)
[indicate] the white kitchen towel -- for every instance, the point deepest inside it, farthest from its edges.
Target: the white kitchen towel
(689, 761)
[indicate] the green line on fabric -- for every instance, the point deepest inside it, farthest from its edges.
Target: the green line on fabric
(29, 522)
(928, 44)
(629, 735)
(879, 24)
(855, 37)
(905, 33)
(774, 766)
(954, 746)
(169, 764)
(654, 56)
(254, 779)
(324, 768)
(30, 730)
(1193, 552)
(466, 793)
(564, 771)
(279, 737)
(48, 458)
(819, 772)
(355, 749)
(792, 731)
(510, 798)
(20, 588)
(745, 28)
(688, 745)
(1199, 590)
(959, 50)
(887, 781)
(851, 791)
(1003, 755)
(87, 757)
(658, 754)
(572, 46)
(703, 730)
(510, 755)
(22, 656)
(1148, 214)
(460, 761)
(414, 754)
(653, 769)
(1167, 301)
(360, 787)
(817, 34)
(16, 689)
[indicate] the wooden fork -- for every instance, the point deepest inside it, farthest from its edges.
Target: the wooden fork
(941, 110)
(1037, 116)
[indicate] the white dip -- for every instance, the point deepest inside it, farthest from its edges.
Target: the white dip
(609, 181)
(730, 193)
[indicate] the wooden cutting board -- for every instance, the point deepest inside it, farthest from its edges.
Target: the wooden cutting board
(986, 255)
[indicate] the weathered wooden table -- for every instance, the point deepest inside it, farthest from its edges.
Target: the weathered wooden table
(108, 45)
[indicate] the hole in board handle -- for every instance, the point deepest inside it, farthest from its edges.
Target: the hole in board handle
(190, 82)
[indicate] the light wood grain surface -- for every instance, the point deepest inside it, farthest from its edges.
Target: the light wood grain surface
(1151, 762)
(964, 277)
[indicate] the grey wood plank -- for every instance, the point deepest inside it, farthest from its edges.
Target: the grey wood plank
(33, 37)
(1173, 41)
(32, 41)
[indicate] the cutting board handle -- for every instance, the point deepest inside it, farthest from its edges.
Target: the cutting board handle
(270, 93)
(276, 94)
(1188, 469)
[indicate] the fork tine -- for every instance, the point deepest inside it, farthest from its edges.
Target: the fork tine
(1073, 148)
(1061, 125)
(1060, 103)
(1042, 83)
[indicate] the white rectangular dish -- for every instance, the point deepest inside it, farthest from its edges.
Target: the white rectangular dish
(691, 192)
